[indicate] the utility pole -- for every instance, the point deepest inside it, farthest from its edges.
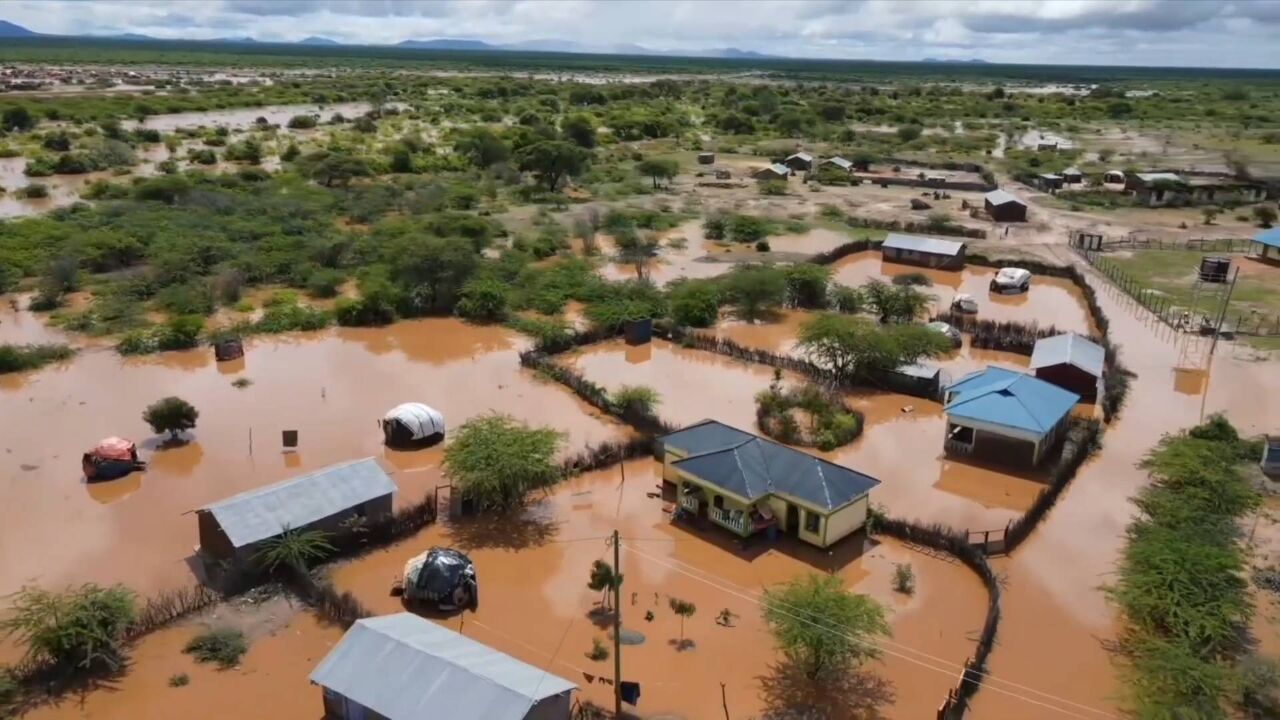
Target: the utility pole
(617, 630)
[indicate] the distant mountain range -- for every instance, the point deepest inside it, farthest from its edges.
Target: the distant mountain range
(10, 30)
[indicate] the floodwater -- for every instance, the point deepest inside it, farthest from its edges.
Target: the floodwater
(1050, 301)
(240, 118)
(535, 602)
(63, 189)
(696, 256)
(901, 444)
(1052, 601)
(331, 386)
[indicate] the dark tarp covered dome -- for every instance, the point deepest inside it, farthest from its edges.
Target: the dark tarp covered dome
(443, 576)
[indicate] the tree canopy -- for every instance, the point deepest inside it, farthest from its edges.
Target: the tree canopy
(852, 347)
(823, 628)
(552, 160)
(496, 461)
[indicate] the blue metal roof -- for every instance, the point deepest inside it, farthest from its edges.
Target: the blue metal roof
(752, 467)
(921, 243)
(1008, 398)
(1069, 349)
(1270, 238)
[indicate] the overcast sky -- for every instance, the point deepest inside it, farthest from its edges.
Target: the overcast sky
(1233, 33)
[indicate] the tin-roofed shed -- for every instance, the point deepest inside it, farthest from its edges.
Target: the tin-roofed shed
(924, 251)
(403, 667)
(799, 162)
(1072, 362)
(232, 529)
(1003, 206)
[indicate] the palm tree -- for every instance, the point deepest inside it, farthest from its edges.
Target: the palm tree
(684, 609)
(603, 579)
(294, 549)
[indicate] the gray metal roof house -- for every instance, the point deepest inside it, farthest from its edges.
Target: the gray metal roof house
(322, 499)
(776, 171)
(746, 483)
(799, 161)
(1004, 206)
(404, 667)
(1071, 362)
(924, 251)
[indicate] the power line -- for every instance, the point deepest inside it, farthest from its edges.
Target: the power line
(947, 671)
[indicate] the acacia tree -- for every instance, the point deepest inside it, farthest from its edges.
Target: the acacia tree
(80, 629)
(552, 160)
(852, 346)
(895, 303)
(1265, 215)
(755, 290)
(496, 460)
(172, 415)
(822, 628)
(658, 169)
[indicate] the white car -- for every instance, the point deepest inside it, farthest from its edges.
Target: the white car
(964, 303)
(1011, 280)
(950, 332)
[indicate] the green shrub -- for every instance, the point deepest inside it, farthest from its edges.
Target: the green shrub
(483, 299)
(904, 578)
(179, 680)
(172, 415)
(324, 283)
(15, 358)
(635, 399)
(912, 278)
(694, 303)
(223, 646)
(80, 629)
(302, 122)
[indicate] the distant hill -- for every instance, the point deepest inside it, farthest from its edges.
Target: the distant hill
(318, 40)
(736, 53)
(978, 61)
(137, 37)
(447, 44)
(9, 30)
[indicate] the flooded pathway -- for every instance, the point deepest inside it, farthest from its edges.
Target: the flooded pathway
(331, 386)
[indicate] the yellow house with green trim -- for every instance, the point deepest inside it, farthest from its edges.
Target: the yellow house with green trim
(748, 484)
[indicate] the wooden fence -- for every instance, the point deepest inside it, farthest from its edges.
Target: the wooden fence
(1102, 243)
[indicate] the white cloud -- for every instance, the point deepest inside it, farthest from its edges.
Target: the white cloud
(1140, 32)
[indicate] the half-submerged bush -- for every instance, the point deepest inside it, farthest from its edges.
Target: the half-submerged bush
(79, 629)
(15, 358)
(222, 646)
(806, 415)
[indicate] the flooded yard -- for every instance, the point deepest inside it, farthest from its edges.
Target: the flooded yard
(1050, 301)
(331, 386)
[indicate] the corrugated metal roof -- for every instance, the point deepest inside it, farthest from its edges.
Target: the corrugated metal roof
(919, 370)
(1071, 349)
(1011, 399)
(404, 667)
(1270, 238)
(921, 243)
(803, 156)
(1073, 170)
(752, 467)
(1155, 177)
(839, 162)
(267, 511)
(1002, 197)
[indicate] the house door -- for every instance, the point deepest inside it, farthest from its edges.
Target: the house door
(793, 519)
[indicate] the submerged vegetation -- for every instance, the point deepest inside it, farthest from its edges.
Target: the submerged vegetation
(806, 415)
(15, 358)
(1183, 582)
(495, 460)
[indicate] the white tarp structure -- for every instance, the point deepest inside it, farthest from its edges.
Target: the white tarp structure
(419, 421)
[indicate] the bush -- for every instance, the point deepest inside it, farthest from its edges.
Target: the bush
(904, 578)
(80, 629)
(831, 423)
(773, 187)
(763, 246)
(755, 290)
(15, 358)
(33, 191)
(324, 283)
(635, 399)
(223, 646)
(172, 415)
(496, 461)
(912, 278)
(846, 637)
(694, 303)
(302, 122)
(483, 299)
(179, 680)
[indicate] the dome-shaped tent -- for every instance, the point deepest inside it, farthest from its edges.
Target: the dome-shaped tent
(111, 458)
(442, 576)
(412, 424)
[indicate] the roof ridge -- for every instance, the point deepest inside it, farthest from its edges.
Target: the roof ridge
(263, 489)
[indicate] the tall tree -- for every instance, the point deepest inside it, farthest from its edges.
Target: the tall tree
(755, 290)
(852, 346)
(496, 461)
(823, 628)
(552, 160)
(658, 169)
(579, 129)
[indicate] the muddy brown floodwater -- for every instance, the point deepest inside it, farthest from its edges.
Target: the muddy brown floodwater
(330, 386)
(901, 444)
(1050, 301)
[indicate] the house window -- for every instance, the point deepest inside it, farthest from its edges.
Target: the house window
(812, 522)
(718, 502)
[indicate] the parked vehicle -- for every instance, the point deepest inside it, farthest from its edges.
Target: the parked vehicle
(1011, 280)
(952, 334)
(964, 303)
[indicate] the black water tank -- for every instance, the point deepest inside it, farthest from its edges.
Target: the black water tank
(1214, 269)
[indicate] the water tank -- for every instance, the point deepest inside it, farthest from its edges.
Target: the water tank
(1214, 269)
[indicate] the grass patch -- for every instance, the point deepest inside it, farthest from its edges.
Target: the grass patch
(222, 646)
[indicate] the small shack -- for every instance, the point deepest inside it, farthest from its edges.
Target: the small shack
(706, 158)
(1003, 206)
(1158, 189)
(412, 424)
(233, 529)
(776, 171)
(1072, 176)
(228, 349)
(839, 163)
(1050, 182)
(924, 251)
(404, 667)
(1005, 416)
(723, 174)
(1072, 362)
(747, 484)
(800, 162)
(1266, 245)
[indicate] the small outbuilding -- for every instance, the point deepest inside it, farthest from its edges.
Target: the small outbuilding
(233, 529)
(412, 424)
(776, 171)
(924, 251)
(839, 163)
(748, 484)
(1072, 176)
(404, 667)
(1072, 362)
(800, 162)
(1004, 206)
(1050, 182)
(1266, 245)
(1005, 416)
(228, 349)
(706, 158)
